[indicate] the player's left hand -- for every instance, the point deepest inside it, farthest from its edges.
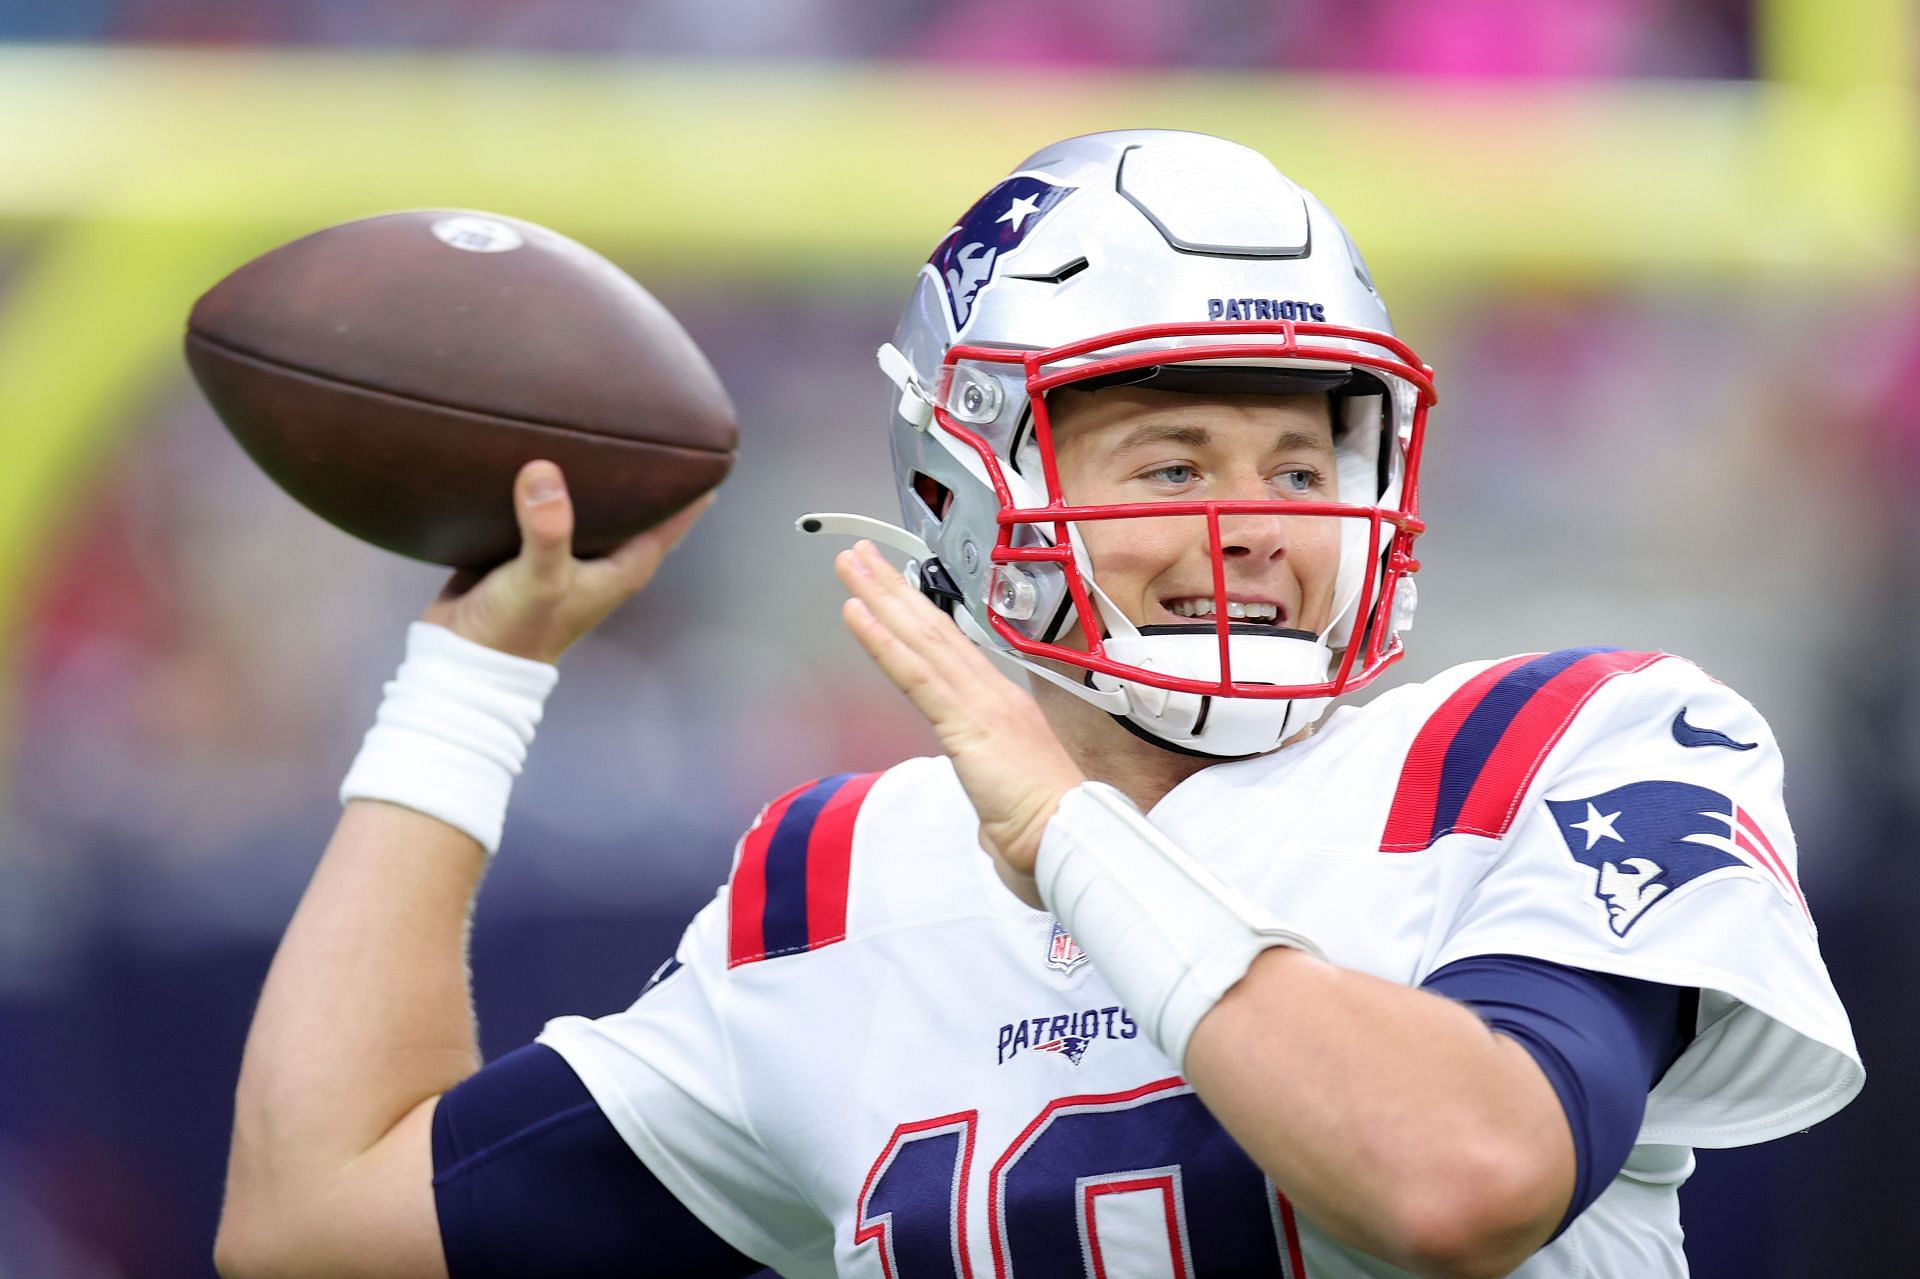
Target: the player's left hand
(1013, 766)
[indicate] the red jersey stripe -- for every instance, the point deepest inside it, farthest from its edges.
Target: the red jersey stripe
(830, 862)
(1495, 797)
(1415, 800)
(747, 891)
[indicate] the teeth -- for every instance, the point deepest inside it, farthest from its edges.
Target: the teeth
(1235, 609)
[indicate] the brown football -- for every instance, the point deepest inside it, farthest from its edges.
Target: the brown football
(394, 373)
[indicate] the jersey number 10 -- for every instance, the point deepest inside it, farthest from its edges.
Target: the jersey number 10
(1155, 1147)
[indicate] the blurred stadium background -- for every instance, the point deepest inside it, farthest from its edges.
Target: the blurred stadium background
(1663, 253)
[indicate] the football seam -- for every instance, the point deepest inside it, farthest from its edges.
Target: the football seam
(294, 370)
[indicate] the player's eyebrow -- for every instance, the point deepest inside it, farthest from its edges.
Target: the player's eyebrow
(1302, 442)
(1199, 437)
(1165, 433)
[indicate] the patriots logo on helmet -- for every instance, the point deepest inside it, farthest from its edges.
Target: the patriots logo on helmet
(996, 225)
(1646, 839)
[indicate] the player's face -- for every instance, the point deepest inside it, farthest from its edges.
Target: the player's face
(1129, 445)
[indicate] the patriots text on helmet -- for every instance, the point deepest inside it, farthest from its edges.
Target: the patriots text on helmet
(1265, 309)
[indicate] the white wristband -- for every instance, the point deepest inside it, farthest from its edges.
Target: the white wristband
(1170, 936)
(452, 732)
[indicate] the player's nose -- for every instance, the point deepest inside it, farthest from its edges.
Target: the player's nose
(1251, 536)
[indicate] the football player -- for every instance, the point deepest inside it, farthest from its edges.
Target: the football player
(1448, 984)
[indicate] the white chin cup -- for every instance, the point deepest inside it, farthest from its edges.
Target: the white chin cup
(1224, 726)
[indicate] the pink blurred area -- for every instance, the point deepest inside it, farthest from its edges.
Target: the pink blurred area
(1501, 39)
(1465, 39)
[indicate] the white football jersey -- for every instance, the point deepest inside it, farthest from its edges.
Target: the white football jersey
(869, 1059)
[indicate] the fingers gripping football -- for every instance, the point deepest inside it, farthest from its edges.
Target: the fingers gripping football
(1013, 766)
(539, 603)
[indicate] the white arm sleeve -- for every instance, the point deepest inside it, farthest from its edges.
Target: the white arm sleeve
(1170, 935)
(664, 1073)
(1650, 850)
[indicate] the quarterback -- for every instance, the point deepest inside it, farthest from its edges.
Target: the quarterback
(1170, 964)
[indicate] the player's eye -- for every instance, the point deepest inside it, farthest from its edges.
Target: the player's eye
(1176, 473)
(1297, 481)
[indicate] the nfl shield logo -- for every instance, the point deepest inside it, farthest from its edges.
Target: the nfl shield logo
(1062, 952)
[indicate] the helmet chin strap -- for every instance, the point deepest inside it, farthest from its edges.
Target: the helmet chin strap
(1229, 727)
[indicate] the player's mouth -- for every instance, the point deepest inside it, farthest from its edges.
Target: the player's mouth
(1203, 608)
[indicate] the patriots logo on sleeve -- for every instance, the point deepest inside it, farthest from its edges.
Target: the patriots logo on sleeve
(998, 224)
(1644, 840)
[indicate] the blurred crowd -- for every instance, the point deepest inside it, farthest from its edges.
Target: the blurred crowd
(1495, 38)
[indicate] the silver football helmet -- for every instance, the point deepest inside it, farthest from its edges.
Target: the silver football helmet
(1173, 261)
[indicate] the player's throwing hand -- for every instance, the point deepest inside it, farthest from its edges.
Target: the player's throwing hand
(1013, 766)
(538, 603)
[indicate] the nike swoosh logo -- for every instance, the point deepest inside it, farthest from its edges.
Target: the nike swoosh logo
(1687, 735)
